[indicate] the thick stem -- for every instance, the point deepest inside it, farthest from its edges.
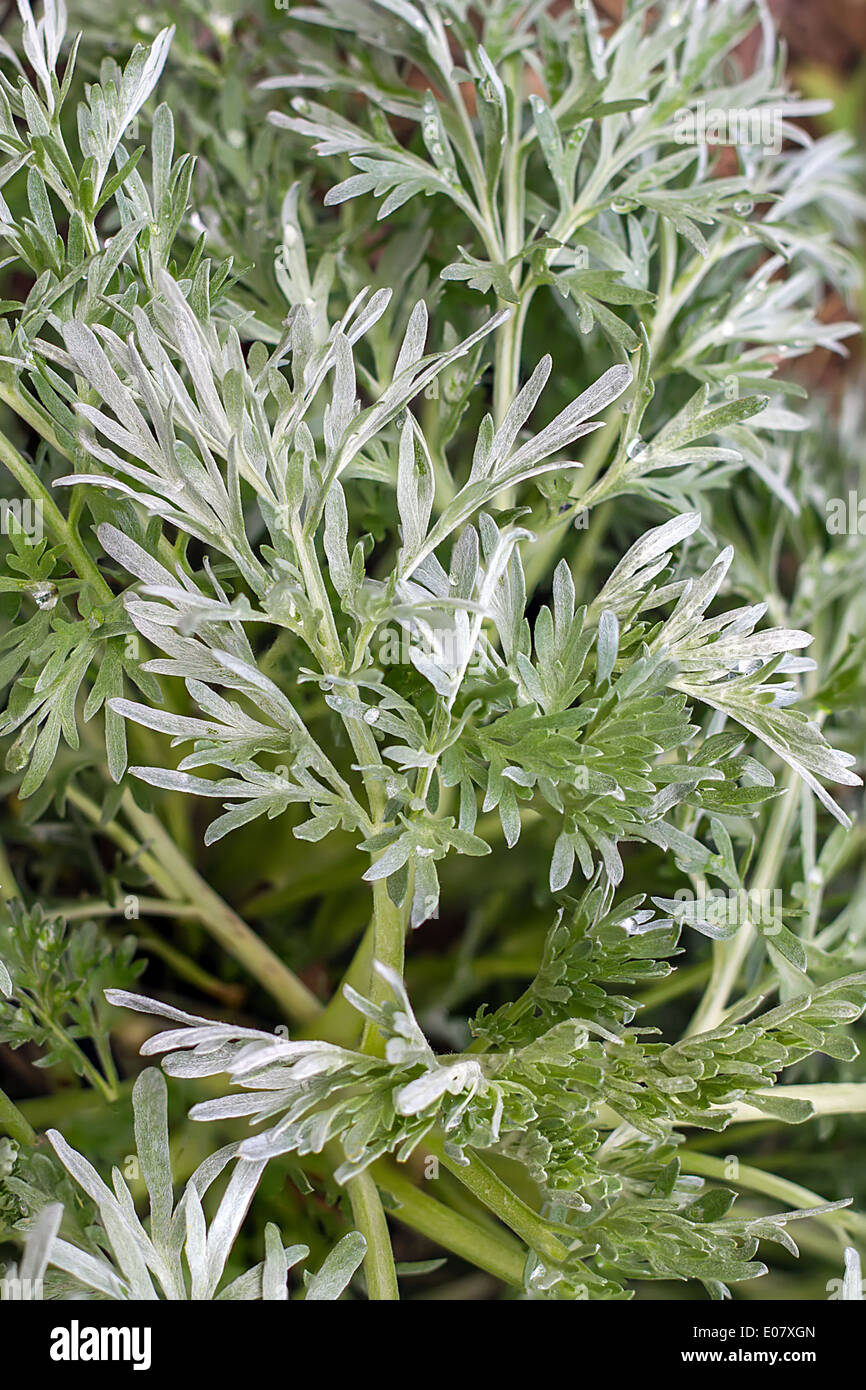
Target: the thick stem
(498, 1197)
(13, 1123)
(339, 1022)
(8, 884)
(34, 416)
(495, 1252)
(389, 921)
(506, 367)
(729, 956)
(388, 926)
(506, 371)
(370, 1220)
(389, 939)
(55, 522)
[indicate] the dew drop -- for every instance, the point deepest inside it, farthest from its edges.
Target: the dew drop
(44, 595)
(743, 207)
(19, 754)
(370, 716)
(637, 448)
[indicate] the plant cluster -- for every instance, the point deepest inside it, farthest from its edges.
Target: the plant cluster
(280, 392)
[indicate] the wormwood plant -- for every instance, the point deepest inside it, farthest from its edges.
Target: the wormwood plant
(335, 542)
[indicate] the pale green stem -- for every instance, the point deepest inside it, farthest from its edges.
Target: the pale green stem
(155, 907)
(389, 921)
(340, 1023)
(506, 370)
(8, 885)
(370, 1220)
(494, 1251)
(13, 1123)
(389, 939)
(729, 956)
(498, 1197)
(389, 927)
(175, 876)
(33, 416)
(106, 1084)
(185, 968)
(54, 521)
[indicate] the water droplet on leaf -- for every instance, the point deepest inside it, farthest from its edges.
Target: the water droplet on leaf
(44, 595)
(637, 448)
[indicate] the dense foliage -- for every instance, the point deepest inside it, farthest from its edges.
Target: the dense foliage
(410, 402)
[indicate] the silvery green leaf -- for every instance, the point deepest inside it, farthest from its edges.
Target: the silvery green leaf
(571, 422)
(561, 863)
(276, 1267)
(852, 1282)
(646, 558)
(88, 1270)
(415, 487)
(335, 540)
(40, 1242)
(515, 418)
(109, 109)
(428, 1090)
(42, 41)
(83, 1172)
(250, 1286)
(607, 645)
(150, 1105)
(195, 1244)
(410, 383)
(338, 1269)
(412, 346)
(392, 859)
